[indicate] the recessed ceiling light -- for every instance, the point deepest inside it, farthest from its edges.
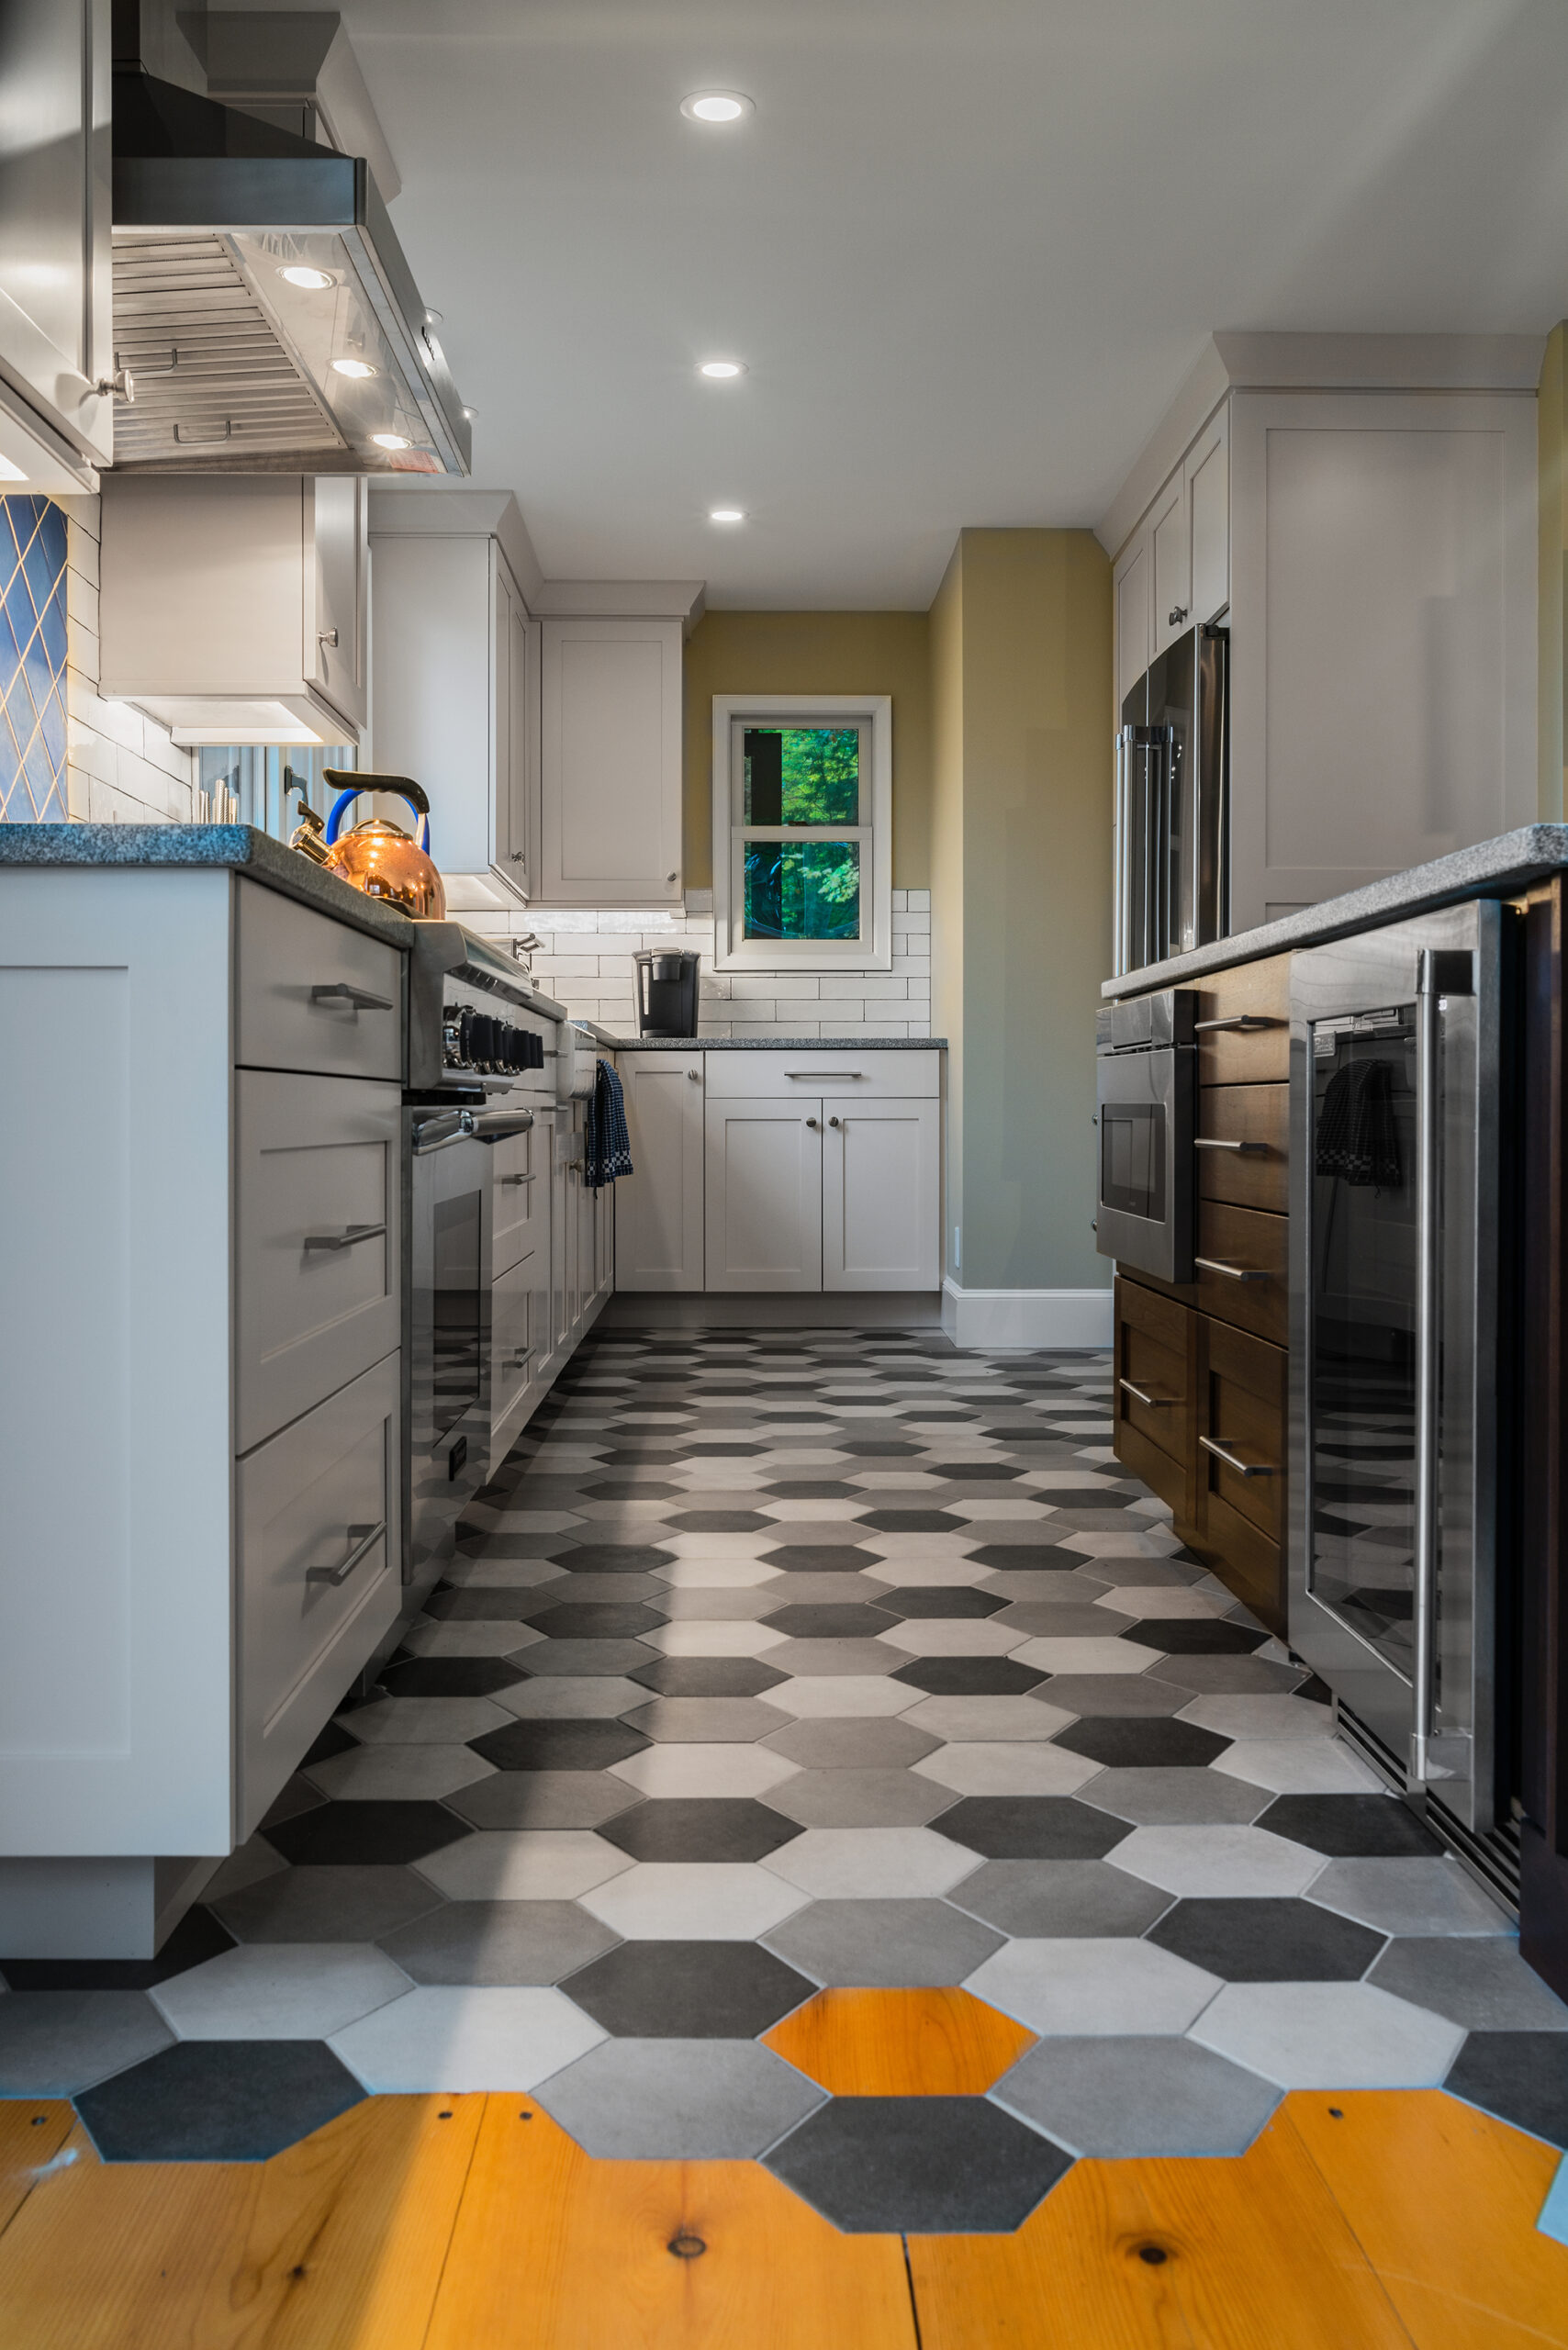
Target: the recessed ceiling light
(314, 279)
(726, 514)
(357, 368)
(716, 106)
(718, 371)
(389, 440)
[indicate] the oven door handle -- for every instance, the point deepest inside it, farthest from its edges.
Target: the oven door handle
(438, 1133)
(1240, 1023)
(495, 1125)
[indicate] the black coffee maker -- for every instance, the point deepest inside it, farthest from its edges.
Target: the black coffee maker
(666, 994)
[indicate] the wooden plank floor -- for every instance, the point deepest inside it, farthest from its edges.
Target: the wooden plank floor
(1388, 2221)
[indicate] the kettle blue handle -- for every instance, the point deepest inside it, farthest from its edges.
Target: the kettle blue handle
(345, 800)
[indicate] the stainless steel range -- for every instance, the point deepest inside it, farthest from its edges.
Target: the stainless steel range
(482, 1066)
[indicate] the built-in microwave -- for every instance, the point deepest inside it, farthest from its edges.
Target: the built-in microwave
(1146, 1066)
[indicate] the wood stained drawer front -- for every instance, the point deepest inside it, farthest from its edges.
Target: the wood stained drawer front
(1242, 1268)
(1243, 1024)
(813, 1071)
(1155, 1400)
(317, 1241)
(320, 1574)
(1240, 1514)
(1256, 1117)
(521, 1196)
(313, 993)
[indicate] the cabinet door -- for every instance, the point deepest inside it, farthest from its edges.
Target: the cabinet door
(611, 763)
(880, 1181)
(1207, 471)
(517, 826)
(1154, 1399)
(1171, 556)
(658, 1221)
(337, 608)
(1241, 1473)
(764, 1195)
(563, 1237)
(1133, 597)
(56, 330)
(503, 612)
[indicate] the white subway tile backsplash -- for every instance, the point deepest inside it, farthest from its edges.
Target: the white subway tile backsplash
(920, 902)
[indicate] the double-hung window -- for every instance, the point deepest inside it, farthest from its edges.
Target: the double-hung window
(802, 804)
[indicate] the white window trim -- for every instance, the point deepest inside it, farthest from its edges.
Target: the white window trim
(731, 951)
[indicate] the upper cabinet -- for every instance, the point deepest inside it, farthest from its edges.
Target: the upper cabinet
(235, 609)
(56, 330)
(611, 798)
(1175, 568)
(1205, 499)
(455, 699)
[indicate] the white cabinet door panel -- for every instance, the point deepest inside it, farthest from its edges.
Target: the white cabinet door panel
(764, 1195)
(520, 1195)
(658, 1207)
(1133, 597)
(611, 798)
(312, 993)
(1172, 556)
(1208, 517)
(882, 1172)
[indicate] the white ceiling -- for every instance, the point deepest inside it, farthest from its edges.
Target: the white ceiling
(967, 248)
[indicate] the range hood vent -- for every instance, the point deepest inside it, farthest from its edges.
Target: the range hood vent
(248, 265)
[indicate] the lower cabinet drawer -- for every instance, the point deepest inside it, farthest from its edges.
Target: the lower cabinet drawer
(1243, 1268)
(312, 993)
(1241, 1460)
(1154, 1401)
(512, 1335)
(521, 1195)
(1258, 1118)
(319, 1572)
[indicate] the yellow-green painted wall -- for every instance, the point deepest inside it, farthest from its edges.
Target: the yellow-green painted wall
(1021, 896)
(813, 653)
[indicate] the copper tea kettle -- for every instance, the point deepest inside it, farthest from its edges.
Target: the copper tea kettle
(379, 857)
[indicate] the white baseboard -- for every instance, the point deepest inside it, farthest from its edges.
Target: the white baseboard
(1025, 1317)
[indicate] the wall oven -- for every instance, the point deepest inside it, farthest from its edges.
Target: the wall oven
(1147, 1080)
(1401, 1214)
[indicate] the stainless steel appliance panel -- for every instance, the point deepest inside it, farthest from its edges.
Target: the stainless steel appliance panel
(1172, 824)
(1146, 1090)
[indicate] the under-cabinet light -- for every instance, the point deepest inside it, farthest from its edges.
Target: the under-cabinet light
(358, 368)
(313, 280)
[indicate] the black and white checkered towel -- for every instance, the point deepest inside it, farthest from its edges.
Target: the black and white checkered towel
(607, 1146)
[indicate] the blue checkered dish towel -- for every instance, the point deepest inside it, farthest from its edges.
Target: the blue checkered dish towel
(607, 1146)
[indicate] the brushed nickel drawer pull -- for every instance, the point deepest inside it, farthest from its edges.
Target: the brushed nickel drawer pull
(518, 1178)
(1231, 1272)
(1214, 1142)
(363, 1538)
(358, 999)
(344, 1239)
(1155, 1403)
(1242, 1468)
(1240, 1023)
(824, 1072)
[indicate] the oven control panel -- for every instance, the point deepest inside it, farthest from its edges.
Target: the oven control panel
(486, 1045)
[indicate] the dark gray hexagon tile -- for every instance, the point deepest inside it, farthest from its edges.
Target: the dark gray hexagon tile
(196, 1938)
(1345, 1828)
(804, 1660)
(719, 1521)
(849, 1742)
(1028, 1555)
(1477, 1981)
(919, 2165)
(449, 1676)
(575, 1658)
(1047, 1900)
(857, 1621)
(911, 1521)
(633, 1557)
(368, 1833)
(54, 2043)
(689, 2100)
(1116, 2098)
(953, 1601)
(1193, 1635)
(1031, 1828)
(1174, 1799)
(884, 1945)
(486, 1603)
(492, 1943)
(1266, 1939)
(713, 1828)
(1053, 1620)
(544, 1799)
(707, 1676)
(217, 2101)
(1518, 2075)
(597, 1621)
(326, 1905)
(568, 1745)
(692, 1990)
(845, 1557)
(1129, 1695)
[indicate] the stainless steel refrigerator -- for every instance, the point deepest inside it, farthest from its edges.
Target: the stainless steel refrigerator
(1172, 848)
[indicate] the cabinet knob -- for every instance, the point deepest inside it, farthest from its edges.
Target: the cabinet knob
(835, 1122)
(672, 878)
(812, 1121)
(1176, 615)
(694, 1075)
(327, 636)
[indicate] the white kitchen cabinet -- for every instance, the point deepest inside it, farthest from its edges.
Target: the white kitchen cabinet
(1134, 599)
(1205, 473)
(1170, 563)
(658, 1213)
(235, 609)
(56, 327)
(881, 1193)
(456, 696)
(610, 761)
(764, 1194)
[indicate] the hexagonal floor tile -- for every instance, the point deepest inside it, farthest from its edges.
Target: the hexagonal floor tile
(707, 1676)
(950, 2166)
(1477, 1980)
(970, 1676)
(1315, 1766)
(465, 1675)
(1031, 1828)
(1048, 1899)
(366, 1833)
(397, 1774)
(954, 1720)
(1176, 1799)
(687, 1900)
(932, 2043)
(1517, 2075)
(839, 1696)
(1329, 2036)
(980, 1767)
(1352, 1827)
(526, 1864)
(559, 1745)
(1218, 1861)
(544, 1799)
(871, 1863)
(884, 1944)
(1129, 1744)
(198, 1936)
(851, 1745)
(1409, 1896)
(706, 1638)
(279, 1991)
(690, 1721)
(1268, 1940)
(217, 2101)
(326, 1905)
(421, 1721)
(840, 1798)
(1089, 1985)
(1124, 2098)
(599, 1697)
(1092, 1693)
(700, 1827)
(977, 1636)
(851, 1620)
(498, 1943)
(442, 2037)
(54, 2043)
(954, 1600)
(702, 2100)
(704, 1770)
(688, 1991)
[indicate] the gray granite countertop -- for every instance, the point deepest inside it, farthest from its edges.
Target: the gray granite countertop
(238, 846)
(771, 1044)
(1489, 869)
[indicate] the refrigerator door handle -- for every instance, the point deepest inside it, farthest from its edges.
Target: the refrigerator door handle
(1121, 910)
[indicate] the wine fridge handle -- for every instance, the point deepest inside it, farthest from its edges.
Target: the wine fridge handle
(1425, 1594)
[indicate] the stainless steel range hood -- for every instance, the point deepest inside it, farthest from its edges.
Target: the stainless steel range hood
(263, 306)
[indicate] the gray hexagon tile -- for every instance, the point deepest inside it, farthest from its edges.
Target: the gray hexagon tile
(1132, 2096)
(692, 2100)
